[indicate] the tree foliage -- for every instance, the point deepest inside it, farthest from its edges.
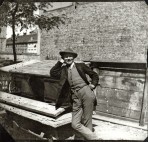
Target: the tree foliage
(22, 14)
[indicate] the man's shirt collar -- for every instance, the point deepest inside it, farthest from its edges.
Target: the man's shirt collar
(72, 65)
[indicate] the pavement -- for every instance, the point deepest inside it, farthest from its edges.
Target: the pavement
(111, 131)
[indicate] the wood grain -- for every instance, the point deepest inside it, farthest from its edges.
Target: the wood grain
(118, 64)
(117, 94)
(145, 100)
(124, 83)
(120, 74)
(120, 104)
(146, 117)
(65, 119)
(18, 65)
(118, 111)
(39, 68)
(31, 105)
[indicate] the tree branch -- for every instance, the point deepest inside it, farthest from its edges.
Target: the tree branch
(16, 8)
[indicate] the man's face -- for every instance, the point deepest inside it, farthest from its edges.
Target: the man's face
(68, 58)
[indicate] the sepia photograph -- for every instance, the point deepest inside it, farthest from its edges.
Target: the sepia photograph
(73, 71)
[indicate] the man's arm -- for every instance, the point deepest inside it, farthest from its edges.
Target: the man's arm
(93, 75)
(55, 71)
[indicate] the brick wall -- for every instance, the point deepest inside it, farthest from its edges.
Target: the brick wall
(114, 31)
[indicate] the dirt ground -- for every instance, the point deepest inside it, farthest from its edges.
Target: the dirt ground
(105, 131)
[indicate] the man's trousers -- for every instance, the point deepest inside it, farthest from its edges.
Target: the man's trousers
(83, 105)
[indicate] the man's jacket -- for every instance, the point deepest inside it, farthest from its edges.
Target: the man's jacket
(60, 73)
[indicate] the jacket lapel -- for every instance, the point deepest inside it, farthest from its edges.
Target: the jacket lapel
(81, 72)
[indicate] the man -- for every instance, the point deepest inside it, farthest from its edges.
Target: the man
(74, 76)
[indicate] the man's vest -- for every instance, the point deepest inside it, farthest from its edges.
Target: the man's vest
(74, 79)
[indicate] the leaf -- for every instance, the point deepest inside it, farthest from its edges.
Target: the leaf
(23, 11)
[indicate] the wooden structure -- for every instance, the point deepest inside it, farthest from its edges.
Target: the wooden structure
(35, 117)
(121, 94)
(25, 112)
(123, 90)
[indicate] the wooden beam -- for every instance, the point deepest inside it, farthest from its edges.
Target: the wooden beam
(145, 99)
(118, 120)
(63, 120)
(27, 134)
(18, 65)
(30, 105)
(119, 64)
(120, 104)
(118, 73)
(117, 94)
(125, 83)
(129, 113)
(40, 69)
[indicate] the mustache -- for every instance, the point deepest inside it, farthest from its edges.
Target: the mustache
(68, 59)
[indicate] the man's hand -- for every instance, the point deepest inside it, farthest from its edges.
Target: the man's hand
(91, 86)
(62, 61)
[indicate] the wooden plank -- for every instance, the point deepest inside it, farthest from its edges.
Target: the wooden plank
(120, 73)
(146, 117)
(109, 115)
(120, 104)
(124, 83)
(31, 105)
(18, 65)
(118, 120)
(119, 98)
(118, 111)
(27, 134)
(41, 68)
(119, 64)
(122, 95)
(145, 100)
(43, 130)
(39, 118)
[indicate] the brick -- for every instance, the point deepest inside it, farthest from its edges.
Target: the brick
(114, 31)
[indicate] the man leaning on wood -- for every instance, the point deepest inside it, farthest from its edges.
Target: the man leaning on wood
(74, 76)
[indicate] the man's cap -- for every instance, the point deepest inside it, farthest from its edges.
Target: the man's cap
(69, 51)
